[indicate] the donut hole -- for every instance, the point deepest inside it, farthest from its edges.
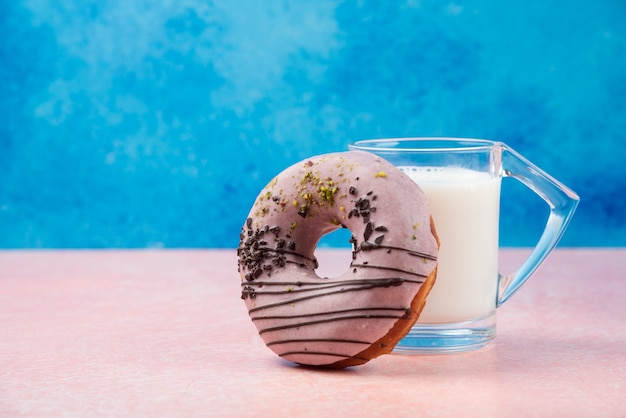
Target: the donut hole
(334, 253)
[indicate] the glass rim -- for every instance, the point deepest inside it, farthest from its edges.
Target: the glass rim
(412, 144)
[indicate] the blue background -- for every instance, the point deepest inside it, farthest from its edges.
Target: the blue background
(155, 124)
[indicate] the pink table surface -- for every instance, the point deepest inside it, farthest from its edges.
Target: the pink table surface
(164, 333)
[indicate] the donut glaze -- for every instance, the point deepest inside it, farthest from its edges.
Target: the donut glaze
(350, 319)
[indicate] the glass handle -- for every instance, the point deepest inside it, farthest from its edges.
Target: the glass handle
(562, 202)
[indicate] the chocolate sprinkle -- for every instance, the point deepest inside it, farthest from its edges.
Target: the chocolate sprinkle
(366, 246)
(368, 231)
(303, 211)
(275, 229)
(248, 292)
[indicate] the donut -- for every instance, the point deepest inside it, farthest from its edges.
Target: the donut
(363, 313)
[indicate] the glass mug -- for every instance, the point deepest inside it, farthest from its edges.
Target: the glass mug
(461, 178)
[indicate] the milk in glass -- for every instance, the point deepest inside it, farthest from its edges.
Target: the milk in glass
(465, 207)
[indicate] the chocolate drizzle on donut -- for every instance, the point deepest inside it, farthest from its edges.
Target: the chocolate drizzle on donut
(367, 246)
(312, 340)
(314, 290)
(324, 321)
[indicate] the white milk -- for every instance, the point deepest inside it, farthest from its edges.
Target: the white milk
(465, 206)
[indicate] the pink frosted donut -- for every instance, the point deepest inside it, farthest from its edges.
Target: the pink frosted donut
(350, 319)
